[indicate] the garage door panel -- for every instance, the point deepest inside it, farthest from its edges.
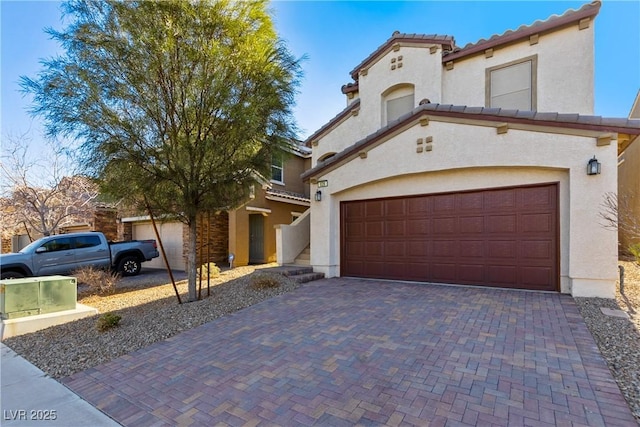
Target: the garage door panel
(536, 277)
(374, 229)
(413, 271)
(536, 249)
(354, 230)
(444, 226)
(504, 237)
(395, 207)
(172, 239)
(373, 249)
(445, 273)
(502, 249)
(499, 200)
(536, 197)
(417, 249)
(471, 224)
(444, 203)
(356, 249)
(374, 209)
(395, 228)
(354, 210)
(418, 206)
(470, 202)
(536, 223)
(357, 267)
(444, 248)
(502, 224)
(375, 268)
(395, 249)
(472, 248)
(502, 274)
(418, 227)
(469, 273)
(398, 270)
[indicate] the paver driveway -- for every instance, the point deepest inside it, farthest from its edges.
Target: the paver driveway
(345, 351)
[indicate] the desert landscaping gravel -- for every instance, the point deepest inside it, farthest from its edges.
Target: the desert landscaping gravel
(150, 313)
(618, 338)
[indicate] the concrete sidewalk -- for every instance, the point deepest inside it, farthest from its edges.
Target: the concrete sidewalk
(31, 398)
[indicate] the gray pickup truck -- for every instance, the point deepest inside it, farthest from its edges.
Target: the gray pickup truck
(64, 253)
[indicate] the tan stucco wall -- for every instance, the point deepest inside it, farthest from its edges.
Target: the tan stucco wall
(629, 189)
(419, 68)
(293, 167)
(279, 213)
(469, 156)
(562, 53)
(565, 77)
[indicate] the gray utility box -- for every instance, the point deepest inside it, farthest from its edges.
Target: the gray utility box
(37, 295)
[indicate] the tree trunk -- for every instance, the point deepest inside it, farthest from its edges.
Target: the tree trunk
(191, 260)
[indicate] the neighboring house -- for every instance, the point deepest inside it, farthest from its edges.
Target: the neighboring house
(469, 165)
(252, 234)
(629, 187)
(247, 232)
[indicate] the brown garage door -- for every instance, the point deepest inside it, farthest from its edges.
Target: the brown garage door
(506, 237)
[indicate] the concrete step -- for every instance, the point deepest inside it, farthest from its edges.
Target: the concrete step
(307, 277)
(299, 273)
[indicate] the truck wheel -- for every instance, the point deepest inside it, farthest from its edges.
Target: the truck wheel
(129, 266)
(11, 275)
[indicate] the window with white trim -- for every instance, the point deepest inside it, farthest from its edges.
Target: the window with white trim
(277, 169)
(512, 85)
(396, 102)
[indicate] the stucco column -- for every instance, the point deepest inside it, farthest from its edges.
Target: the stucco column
(325, 235)
(593, 248)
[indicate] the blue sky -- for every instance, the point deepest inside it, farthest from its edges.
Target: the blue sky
(336, 36)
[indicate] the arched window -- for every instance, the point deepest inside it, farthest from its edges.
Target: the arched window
(326, 156)
(397, 101)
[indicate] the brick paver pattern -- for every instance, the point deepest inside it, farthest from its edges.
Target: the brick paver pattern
(362, 352)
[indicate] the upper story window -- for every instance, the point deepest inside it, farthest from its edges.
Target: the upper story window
(512, 85)
(397, 101)
(277, 169)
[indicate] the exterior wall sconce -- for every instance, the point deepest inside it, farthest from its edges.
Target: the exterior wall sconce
(593, 167)
(318, 196)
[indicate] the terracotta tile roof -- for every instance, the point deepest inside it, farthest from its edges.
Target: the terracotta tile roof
(350, 87)
(451, 52)
(554, 22)
(549, 119)
(287, 195)
(329, 125)
(447, 43)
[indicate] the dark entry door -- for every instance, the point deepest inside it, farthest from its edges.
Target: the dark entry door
(256, 239)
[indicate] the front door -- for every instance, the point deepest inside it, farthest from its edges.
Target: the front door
(256, 239)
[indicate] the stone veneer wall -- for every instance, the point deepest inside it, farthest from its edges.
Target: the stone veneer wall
(125, 231)
(5, 245)
(216, 225)
(105, 220)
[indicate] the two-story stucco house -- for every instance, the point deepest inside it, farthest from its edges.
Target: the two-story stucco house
(477, 165)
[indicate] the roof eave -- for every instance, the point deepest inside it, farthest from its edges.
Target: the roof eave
(588, 11)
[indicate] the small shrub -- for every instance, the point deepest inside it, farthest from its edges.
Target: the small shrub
(210, 268)
(635, 251)
(108, 321)
(265, 281)
(98, 281)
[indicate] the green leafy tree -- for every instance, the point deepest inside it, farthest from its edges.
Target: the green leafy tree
(181, 103)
